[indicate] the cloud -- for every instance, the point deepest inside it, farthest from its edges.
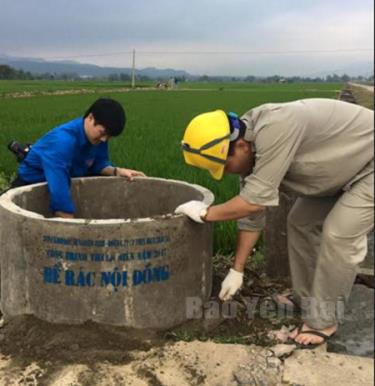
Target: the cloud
(80, 29)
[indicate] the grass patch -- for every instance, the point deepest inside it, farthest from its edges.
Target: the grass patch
(155, 126)
(4, 182)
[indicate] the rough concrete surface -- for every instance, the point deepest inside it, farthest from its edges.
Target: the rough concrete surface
(275, 237)
(367, 87)
(356, 335)
(318, 368)
(363, 94)
(114, 264)
(367, 266)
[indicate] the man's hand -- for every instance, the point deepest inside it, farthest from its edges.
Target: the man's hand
(129, 173)
(192, 209)
(231, 284)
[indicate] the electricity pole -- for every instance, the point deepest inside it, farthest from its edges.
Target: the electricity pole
(133, 70)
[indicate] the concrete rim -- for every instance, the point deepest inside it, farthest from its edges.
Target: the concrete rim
(6, 202)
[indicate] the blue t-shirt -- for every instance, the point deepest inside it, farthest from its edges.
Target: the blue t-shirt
(62, 153)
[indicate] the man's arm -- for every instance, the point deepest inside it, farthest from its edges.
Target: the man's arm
(103, 167)
(233, 209)
(246, 241)
(56, 161)
(108, 171)
(121, 172)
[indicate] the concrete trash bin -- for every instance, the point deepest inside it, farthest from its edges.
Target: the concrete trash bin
(126, 259)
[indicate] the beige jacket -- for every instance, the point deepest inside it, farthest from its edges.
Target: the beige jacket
(312, 147)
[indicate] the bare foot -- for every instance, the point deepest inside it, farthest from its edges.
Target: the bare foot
(284, 300)
(311, 338)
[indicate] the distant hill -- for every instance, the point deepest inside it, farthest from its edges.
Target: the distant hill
(41, 66)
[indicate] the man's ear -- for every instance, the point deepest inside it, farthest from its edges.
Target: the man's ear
(91, 118)
(243, 145)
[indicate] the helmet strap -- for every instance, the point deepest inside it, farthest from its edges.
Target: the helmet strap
(235, 126)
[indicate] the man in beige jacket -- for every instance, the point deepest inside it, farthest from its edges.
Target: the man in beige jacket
(320, 149)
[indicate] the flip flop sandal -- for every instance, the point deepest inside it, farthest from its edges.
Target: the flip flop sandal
(310, 346)
(294, 307)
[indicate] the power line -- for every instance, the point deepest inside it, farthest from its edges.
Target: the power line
(254, 52)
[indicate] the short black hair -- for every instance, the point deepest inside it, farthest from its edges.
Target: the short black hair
(110, 114)
(242, 131)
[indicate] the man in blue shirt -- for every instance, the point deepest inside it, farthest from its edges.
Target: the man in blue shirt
(75, 149)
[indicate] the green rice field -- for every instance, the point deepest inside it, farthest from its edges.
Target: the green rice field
(156, 122)
(41, 86)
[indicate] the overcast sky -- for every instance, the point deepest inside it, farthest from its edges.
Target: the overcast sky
(211, 37)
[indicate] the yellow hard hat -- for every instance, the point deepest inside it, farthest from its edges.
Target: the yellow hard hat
(206, 142)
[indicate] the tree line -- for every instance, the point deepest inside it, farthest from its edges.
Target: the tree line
(8, 72)
(334, 78)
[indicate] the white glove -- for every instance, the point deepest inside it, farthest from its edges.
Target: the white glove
(231, 284)
(192, 209)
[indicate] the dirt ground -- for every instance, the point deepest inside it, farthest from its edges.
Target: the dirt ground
(34, 352)
(170, 364)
